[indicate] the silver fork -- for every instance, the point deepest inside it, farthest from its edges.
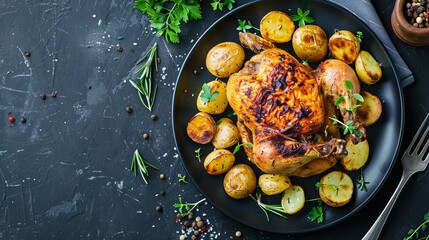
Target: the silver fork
(412, 162)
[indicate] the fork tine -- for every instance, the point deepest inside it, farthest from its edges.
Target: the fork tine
(416, 136)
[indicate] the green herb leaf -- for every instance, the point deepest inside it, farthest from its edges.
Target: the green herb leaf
(140, 165)
(206, 95)
(237, 148)
(349, 85)
(198, 154)
(358, 97)
(339, 100)
(188, 206)
(414, 233)
(182, 178)
(361, 183)
(244, 26)
(273, 208)
(302, 17)
(316, 213)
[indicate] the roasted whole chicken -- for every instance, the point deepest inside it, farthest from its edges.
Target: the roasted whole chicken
(280, 110)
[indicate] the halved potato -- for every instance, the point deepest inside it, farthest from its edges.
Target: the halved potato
(272, 184)
(344, 46)
(225, 59)
(254, 42)
(293, 199)
(239, 181)
(336, 189)
(310, 43)
(314, 167)
(216, 105)
(370, 110)
(219, 161)
(357, 155)
(277, 26)
(367, 68)
(226, 134)
(201, 128)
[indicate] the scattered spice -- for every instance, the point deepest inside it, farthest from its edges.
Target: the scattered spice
(195, 72)
(42, 96)
(27, 54)
(162, 193)
(145, 136)
(119, 49)
(417, 13)
(23, 120)
(185, 91)
(158, 208)
(153, 117)
(54, 94)
(128, 109)
(162, 176)
(11, 119)
(238, 234)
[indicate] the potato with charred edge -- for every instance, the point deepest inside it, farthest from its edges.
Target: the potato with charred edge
(277, 27)
(310, 43)
(218, 100)
(357, 155)
(344, 46)
(370, 110)
(239, 181)
(226, 135)
(225, 59)
(219, 161)
(272, 184)
(336, 189)
(367, 68)
(201, 128)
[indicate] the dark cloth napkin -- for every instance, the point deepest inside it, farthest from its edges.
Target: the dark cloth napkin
(366, 12)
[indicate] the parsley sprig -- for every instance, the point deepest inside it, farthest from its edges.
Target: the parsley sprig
(219, 4)
(245, 25)
(414, 233)
(145, 72)
(186, 208)
(166, 15)
(302, 17)
(206, 95)
(274, 208)
(316, 212)
(141, 165)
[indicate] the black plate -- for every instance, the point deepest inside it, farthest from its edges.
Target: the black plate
(384, 137)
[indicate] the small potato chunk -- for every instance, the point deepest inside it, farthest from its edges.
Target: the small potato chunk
(254, 42)
(336, 189)
(239, 181)
(344, 46)
(226, 134)
(218, 103)
(357, 155)
(310, 43)
(225, 59)
(370, 110)
(293, 199)
(277, 27)
(201, 128)
(219, 161)
(272, 184)
(367, 68)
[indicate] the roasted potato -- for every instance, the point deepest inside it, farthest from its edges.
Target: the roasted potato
(272, 184)
(314, 167)
(344, 46)
(370, 110)
(225, 59)
(293, 199)
(239, 181)
(254, 42)
(367, 68)
(310, 43)
(226, 134)
(212, 98)
(277, 27)
(357, 155)
(201, 128)
(336, 189)
(219, 161)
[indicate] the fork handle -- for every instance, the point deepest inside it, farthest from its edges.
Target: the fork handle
(374, 232)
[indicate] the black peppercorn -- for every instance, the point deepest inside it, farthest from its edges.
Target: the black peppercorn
(128, 109)
(153, 117)
(158, 208)
(42, 96)
(54, 94)
(27, 54)
(23, 120)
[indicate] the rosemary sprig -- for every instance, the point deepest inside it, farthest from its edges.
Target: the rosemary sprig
(187, 206)
(141, 165)
(145, 73)
(274, 208)
(361, 183)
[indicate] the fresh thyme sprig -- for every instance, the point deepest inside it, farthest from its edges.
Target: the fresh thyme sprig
(198, 154)
(359, 36)
(361, 183)
(141, 165)
(145, 72)
(188, 207)
(302, 17)
(347, 126)
(274, 208)
(182, 178)
(422, 227)
(357, 96)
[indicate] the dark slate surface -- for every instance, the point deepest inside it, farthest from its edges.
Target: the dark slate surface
(65, 173)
